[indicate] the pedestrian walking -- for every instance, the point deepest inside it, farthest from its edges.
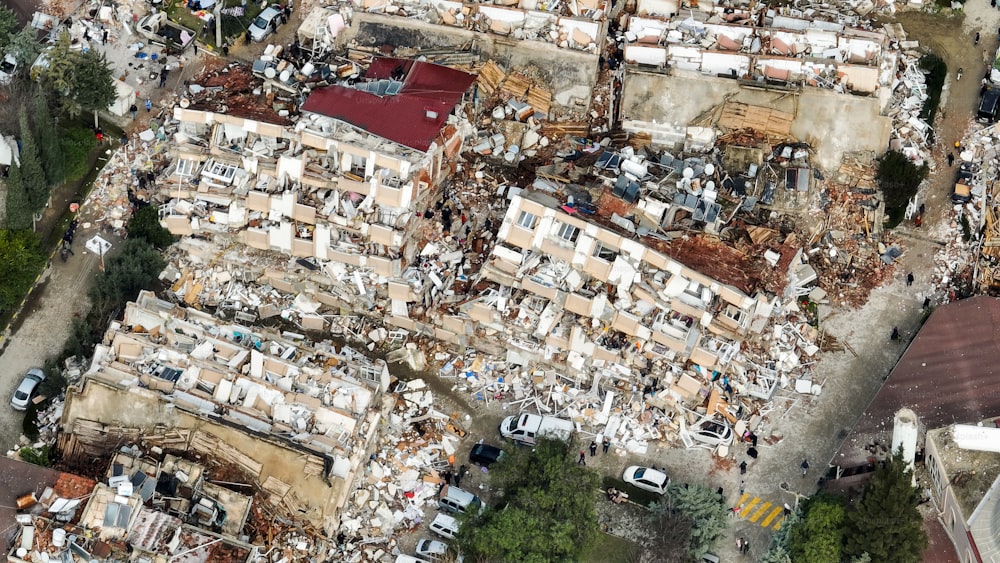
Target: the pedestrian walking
(134, 110)
(918, 220)
(927, 303)
(745, 549)
(163, 75)
(461, 475)
(909, 278)
(104, 37)
(739, 545)
(895, 334)
(149, 105)
(583, 458)
(743, 486)
(961, 71)
(923, 208)
(951, 159)
(753, 440)
(805, 464)
(593, 448)
(195, 43)
(743, 467)
(977, 38)
(607, 444)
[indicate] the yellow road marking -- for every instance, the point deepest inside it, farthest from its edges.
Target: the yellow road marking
(770, 517)
(760, 512)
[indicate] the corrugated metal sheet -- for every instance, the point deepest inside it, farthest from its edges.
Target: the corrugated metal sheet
(948, 374)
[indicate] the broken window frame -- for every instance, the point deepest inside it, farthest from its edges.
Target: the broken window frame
(605, 253)
(220, 171)
(527, 220)
(567, 233)
(186, 167)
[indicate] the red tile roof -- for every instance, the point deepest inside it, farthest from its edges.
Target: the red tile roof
(949, 374)
(403, 117)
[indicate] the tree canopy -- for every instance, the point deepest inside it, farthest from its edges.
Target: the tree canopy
(145, 224)
(8, 26)
(78, 80)
(545, 510)
(885, 523)
(820, 536)
(22, 259)
(702, 508)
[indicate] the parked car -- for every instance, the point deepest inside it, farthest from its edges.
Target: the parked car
(989, 104)
(646, 478)
(27, 389)
(962, 190)
(8, 68)
(455, 500)
(432, 550)
(444, 526)
(264, 24)
(485, 455)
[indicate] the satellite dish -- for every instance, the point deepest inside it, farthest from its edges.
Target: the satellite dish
(285, 75)
(185, 103)
(710, 185)
(270, 72)
(709, 169)
(689, 173)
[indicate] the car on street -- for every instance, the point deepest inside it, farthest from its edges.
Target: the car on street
(646, 478)
(264, 24)
(485, 455)
(26, 391)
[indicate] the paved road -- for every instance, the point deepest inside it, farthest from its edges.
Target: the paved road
(43, 326)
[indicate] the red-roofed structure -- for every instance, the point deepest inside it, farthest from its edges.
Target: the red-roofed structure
(412, 117)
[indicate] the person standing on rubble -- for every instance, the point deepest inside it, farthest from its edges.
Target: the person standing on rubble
(976, 42)
(895, 334)
(583, 458)
(607, 444)
(927, 303)
(593, 448)
(951, 159)
(909, 279)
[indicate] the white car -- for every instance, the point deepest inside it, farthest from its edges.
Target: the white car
(432, 550)
(712, 433)
(647, 479)
(264, 24)
(26, 390)
(8, 68)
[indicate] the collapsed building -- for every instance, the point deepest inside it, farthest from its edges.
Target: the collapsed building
(296, 417)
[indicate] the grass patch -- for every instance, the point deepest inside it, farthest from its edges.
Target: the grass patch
(611, 549)
(635, 495)
(233, 27)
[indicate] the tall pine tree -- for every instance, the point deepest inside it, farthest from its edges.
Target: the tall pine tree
(18, 209)
(886, 524)
(48, 142)
(32, 176)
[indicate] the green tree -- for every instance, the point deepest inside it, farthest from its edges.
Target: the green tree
(18, 209)
(130, 270)
(668, 537)
(899, 179)
(79, 81)
(8, 26)
(25, 48)
(886, 524)
(819, 535)
(49, 144)
(145, 224)
(32, 175)
(545, 510)
(22, 259)
(703, 508)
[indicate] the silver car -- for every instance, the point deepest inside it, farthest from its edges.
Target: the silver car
(264, 24)
(26, 390)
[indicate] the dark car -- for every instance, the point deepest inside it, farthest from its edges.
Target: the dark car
(962, 192)
(989, 103)
(485, 454)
